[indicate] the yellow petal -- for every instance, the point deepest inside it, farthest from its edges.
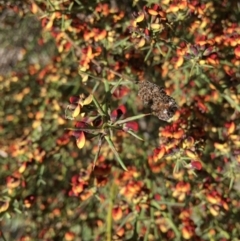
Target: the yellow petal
(141, 43)
(156, 26)
(50, 23)
(190, 154)
(76, 112)
(152, 12)
(3, 206)
(88, 100)
(140, 18)
(231, 128)
(81, 140)
(84, 78)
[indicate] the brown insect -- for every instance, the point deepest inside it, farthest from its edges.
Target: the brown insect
(162, 105)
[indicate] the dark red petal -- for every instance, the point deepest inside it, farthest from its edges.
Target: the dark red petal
(123, 109)
(120, 92)
(74, 99)
(76, 134)
(117, 113)
(197, 165)
(98, 122)
(81, 124)
(133, 125)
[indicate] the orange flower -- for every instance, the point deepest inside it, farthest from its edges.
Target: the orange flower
(187, 232)
(69, 236)
(202, 107)
(213, 198)
(3, 206)
(213, 59)
(102, 169)
(181, 190)
(178, 62)
(117, 213)
(230, 128)
(185, 214)
(99, 34)
(183, 5)
(28, 201)
(87, 194)
(159, 153)
(163, 226)
(88, 35)
(13, 182)
(120, 232)
(103, 9)
(237, 51)
(173, 8)
(88, 55)
(155, 166)
(131, 189)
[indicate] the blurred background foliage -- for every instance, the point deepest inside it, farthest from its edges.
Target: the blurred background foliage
(182, 181)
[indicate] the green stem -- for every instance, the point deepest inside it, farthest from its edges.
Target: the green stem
(109, 214)
(98, 107)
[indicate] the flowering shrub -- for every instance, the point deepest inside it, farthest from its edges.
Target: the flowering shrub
(129, 128)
